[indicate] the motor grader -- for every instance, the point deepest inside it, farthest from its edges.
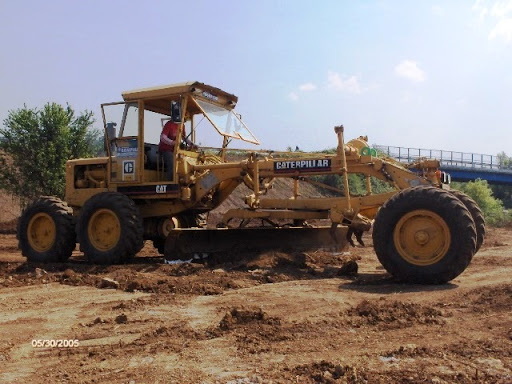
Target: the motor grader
(422, 232)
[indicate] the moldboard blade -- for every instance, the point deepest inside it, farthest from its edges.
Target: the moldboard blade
(185, 243)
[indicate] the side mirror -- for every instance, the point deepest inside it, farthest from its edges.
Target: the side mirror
(176, 111)
(111, 135)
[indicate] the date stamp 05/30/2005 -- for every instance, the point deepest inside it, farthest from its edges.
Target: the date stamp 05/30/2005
(53, 343)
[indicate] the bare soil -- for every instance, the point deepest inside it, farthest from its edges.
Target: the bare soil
(276, 318)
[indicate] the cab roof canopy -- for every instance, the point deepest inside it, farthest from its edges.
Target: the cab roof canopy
(158, 99)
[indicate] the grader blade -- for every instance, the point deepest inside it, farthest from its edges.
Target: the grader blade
(189, 243)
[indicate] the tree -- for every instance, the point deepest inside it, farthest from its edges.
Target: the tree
(35, 146)
(503, 192)
(503, 160)
(491, 207)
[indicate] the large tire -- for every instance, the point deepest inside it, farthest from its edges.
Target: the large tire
(110, 228)
(476, 214)
(46, 231)
(424, 235)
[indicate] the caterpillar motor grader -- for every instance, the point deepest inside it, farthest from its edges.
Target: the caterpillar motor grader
(422, 232)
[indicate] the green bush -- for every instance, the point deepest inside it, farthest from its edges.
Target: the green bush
(35, 145)
(492, 208)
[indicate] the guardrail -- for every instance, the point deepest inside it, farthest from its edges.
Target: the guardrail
(446, 158)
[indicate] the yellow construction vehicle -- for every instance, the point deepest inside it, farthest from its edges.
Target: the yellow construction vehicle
(422, 232)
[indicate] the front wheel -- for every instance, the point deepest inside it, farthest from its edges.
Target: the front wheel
(110, 228)
(424, 235)
(46, 231)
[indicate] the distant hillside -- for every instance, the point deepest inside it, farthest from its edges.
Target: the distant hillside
(282, 188)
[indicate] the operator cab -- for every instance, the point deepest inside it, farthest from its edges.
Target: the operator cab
(133, 128)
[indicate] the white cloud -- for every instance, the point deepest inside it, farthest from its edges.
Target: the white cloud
(410, 70)
(502, 29)
(307, 87)
(500, 16)
(502, 12)
(343, 83)
(501, 9)
(293, 96)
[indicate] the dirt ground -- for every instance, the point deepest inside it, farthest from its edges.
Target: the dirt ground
(278, 318)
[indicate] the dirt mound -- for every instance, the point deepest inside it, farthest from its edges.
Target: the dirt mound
(318, 263)
(253, 329)
(152, 277)
(281, 189)
(394, 314)
(148, 273)
(167, 338)
(158, 281)
(241, 316)
(328, 373)
(485, 299)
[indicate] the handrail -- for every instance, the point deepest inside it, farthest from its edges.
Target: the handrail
(446, 158)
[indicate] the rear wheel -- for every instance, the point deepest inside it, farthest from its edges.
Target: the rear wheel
(476, 214)
(424, 235)
(46, 231)
(110, 228)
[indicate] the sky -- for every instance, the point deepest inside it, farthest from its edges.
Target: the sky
(421, 74)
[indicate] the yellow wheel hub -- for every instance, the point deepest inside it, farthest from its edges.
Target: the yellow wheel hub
(422, 237)
(167, 225)
(104, 229)
(41, 232)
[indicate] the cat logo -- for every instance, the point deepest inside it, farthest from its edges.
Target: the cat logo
(161, 189)
(311, 165)
(128, 167)
(128, 170)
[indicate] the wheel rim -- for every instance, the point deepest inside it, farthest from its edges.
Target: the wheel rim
(41, 232)
(422, 237)
(104, 229)
(167, 225)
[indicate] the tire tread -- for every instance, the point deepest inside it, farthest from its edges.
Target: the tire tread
(456, 216)
(131, 228)
(65, 241)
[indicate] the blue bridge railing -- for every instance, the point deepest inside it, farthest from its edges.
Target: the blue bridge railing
(448, 158)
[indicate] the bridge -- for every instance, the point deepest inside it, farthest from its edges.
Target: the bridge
(460, 165)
